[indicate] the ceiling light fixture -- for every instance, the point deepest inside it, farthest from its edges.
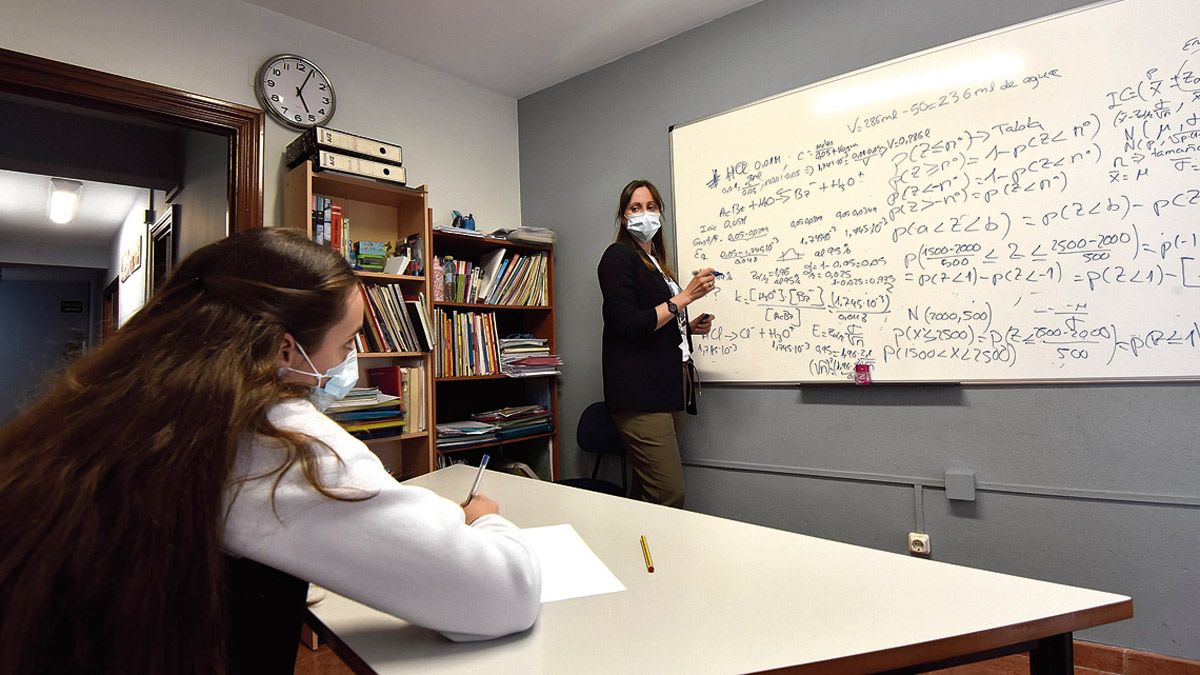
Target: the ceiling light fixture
(64, 199)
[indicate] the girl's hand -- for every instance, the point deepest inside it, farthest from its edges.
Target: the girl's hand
(480, 506)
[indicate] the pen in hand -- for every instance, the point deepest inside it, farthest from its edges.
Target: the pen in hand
(478, 477)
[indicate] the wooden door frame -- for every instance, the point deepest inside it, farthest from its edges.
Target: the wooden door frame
(110, 308)
(243, 125)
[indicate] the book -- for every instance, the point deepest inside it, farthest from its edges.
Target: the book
(308, 143)
(334, 238)
(490, 263)
(416, 313)
(396, 264)
(389, 379)
(372, 330)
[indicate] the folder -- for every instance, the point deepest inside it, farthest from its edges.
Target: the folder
(308, 143)
(357, 166)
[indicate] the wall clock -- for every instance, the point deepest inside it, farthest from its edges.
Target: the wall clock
(295, 91)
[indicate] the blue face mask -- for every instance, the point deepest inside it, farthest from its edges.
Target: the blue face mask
(341, 379)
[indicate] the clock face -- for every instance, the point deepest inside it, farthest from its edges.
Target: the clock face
(295, 91)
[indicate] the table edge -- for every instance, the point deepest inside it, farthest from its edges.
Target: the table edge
(968, 643)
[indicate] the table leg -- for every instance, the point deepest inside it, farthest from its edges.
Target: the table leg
(1052, 655)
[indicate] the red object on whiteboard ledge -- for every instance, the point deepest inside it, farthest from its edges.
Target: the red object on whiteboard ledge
(862, 373)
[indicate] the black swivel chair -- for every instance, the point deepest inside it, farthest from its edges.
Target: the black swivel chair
(597, 433)
(264, 611)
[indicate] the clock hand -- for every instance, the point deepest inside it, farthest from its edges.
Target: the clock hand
(310, 74)
(302, 101)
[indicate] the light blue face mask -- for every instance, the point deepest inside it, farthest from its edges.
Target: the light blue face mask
(643, 226)
(341, 379)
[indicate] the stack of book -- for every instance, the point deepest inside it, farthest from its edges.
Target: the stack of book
(527, 357)
(408, 385)
(370, 256)
(526, 234)
(340, 152)
(455, 435)
(368, 413)
(519, 279)
(517, 421)
(392, 321)
(460, 230)
(468, 344)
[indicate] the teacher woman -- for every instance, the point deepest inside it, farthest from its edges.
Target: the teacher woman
(649, 379)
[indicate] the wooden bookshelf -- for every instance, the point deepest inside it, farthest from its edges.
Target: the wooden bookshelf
(377, 211)
(457, 397)
(381, 278)
(483, 306)
(498, 442)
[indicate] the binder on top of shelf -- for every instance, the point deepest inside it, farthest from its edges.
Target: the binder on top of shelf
(308, 143)
(357, 166)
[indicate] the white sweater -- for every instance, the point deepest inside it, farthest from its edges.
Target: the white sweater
(406, 551)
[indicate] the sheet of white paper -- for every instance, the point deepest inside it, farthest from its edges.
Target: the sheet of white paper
(570, 569)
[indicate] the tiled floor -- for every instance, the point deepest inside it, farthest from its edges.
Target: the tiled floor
(1090, 659)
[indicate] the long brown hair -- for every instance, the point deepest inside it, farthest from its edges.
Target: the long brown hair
(657, 243)
(113, 485)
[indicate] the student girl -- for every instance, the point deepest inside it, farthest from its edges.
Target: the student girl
(193, 439)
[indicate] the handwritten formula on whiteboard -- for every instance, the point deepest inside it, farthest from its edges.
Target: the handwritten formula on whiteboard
(1022, 206)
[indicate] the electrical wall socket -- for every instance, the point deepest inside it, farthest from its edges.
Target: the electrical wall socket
(918, 544)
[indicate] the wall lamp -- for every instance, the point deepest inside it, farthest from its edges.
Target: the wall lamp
(64, 199)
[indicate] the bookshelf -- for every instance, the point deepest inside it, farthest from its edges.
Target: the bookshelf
(457, 396)
(379, 211)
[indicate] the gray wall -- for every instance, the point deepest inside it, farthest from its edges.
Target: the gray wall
(1090, 485)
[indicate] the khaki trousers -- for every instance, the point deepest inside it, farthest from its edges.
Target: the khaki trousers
(652, 442)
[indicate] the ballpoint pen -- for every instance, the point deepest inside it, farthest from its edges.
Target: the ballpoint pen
(478, 477)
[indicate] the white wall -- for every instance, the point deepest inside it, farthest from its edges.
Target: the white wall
(459, 138)
(204, 216)
(132, 293)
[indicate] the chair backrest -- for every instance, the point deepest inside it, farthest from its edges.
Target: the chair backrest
(596, 431)
(264, 611)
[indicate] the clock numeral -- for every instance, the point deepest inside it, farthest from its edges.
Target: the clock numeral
(270, 83)
(285, 110)
(275, 97)
(300, 67)
(276, 71)
(312, 118)
(321, 86)
(321, 111)
(298, 118)
(325, 100)
(287, 66)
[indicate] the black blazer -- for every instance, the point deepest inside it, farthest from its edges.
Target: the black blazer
(642, 366)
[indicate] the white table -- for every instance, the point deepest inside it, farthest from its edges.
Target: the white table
(729, 597)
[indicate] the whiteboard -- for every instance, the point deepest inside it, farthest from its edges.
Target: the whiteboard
(1019, 206)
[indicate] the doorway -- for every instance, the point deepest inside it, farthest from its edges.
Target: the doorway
(241, 125)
